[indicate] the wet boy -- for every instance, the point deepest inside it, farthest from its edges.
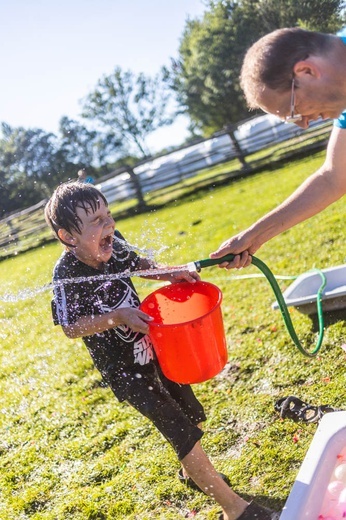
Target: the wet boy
(104, 311)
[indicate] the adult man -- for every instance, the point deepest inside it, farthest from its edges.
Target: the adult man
(84, 177)
(299, 76)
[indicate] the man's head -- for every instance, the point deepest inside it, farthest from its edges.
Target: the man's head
(79, 216)
(82, 174)
(297, 61)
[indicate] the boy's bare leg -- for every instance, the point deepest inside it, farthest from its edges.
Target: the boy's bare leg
(198, 466)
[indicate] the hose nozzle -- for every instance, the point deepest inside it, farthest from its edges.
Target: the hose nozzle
(209, 262)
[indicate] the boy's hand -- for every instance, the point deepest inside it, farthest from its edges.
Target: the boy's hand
(184, 276)
(133, 318)
(169, 274)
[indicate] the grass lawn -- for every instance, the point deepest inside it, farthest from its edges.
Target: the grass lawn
(69, 450)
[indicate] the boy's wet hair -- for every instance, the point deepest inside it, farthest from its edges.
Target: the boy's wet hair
(60, 211)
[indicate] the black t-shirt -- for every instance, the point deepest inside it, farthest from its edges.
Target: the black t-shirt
(118, 353)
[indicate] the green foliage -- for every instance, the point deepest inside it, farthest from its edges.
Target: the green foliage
(129, 107)
(31, 165)
(205, 75)
(24, 157)
(314, 15)
(124, 110)
(69, 450)
(84, 147)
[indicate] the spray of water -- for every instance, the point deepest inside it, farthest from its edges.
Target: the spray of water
(149, 253)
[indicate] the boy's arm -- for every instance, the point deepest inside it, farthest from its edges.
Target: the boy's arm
(174, 276)
(89, 325)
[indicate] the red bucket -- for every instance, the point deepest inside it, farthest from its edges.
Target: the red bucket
(187, 331)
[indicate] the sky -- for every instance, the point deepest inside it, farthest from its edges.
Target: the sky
(55, 51)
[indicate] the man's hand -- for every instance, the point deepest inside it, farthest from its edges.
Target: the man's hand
(233, 246)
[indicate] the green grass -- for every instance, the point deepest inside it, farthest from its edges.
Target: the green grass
(69, 450)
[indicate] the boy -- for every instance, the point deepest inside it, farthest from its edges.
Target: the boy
(103, 311)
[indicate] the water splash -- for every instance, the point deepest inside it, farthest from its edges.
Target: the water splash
(145, 273)
(26, 294)
(149, 252)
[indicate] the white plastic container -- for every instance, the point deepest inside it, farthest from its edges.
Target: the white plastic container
(308, 491)
(303, 291)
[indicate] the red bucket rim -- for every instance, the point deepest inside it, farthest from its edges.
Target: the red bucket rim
(208, 284)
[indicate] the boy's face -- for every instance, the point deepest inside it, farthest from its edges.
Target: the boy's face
(94, 245)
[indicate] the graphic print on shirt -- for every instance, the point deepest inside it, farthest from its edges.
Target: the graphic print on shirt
(142, 346)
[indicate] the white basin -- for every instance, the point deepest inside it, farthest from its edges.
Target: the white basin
(302, 293)
(308, 491)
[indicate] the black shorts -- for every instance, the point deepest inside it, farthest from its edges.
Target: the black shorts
(171, 407)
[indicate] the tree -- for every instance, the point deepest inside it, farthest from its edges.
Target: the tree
(205, 77)
(31, 165)
(87, 148)
(129, 107)
(314, 15)
(6, 204)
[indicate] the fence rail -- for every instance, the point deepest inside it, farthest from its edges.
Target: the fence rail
(238, 143)
(247, 145)
(23, 230)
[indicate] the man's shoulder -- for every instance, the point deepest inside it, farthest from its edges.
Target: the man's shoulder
(342, 34)
(340, 122)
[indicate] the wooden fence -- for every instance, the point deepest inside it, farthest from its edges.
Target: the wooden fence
(27, 229)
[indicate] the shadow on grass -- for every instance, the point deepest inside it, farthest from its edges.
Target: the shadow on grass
(329, 317)
(265, 501)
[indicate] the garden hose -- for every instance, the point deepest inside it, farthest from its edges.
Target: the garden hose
(208, 262)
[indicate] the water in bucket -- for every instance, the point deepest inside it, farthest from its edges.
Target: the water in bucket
(187, 331)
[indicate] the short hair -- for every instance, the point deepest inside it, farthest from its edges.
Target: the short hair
(60, 210)
(270, 61)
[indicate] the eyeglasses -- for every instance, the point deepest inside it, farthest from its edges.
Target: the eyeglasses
(293, 118)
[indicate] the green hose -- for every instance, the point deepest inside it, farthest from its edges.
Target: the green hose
(208, 262)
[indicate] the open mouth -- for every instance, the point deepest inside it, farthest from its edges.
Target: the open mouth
(106, 242)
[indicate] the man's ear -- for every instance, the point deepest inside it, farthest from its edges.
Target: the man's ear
(307, 67)
(66, 237)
